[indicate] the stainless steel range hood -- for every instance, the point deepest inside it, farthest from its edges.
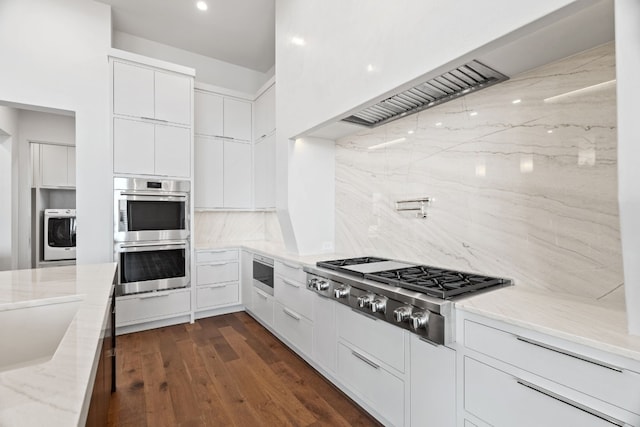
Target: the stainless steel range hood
(467, 78)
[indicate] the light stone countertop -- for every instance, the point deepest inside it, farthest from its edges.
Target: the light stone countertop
(580, 320)
(55, 392)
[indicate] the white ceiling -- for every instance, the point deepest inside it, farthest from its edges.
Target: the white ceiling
(240, 32)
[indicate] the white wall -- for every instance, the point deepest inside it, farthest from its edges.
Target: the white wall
(57, 52)
(208, 70)
(628, 70)
(355, 51)
(8, 153)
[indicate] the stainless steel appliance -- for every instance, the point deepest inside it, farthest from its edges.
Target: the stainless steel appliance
(263, 273)
(149, 209)
(59, 237)
(152, 266)
(418, 298)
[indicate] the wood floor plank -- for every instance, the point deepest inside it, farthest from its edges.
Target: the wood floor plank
(222, 371)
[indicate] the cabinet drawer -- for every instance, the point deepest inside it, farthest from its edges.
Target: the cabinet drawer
(290, 270)
(217, 295)
(294, 327)
(571, 370)
(381, 340)
(294, 295)
(503, 400)
(151, 305)
(383, 391)
(212, 256)
(220, 272)
(263, 306)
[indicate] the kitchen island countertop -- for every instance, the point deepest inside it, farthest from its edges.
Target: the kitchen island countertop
(56, 392)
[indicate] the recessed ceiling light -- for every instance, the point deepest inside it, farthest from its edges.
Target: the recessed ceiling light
(202, 5)
(439, 124)
(298, 41)
(410, 132)
(473, 113)
(549, 131)
(516, 101)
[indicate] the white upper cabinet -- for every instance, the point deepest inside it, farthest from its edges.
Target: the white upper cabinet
(133, 146)
(208, 165)
(172, 151)
(57, 165)
(265, 114)
(237, 175)
(133, 90)
(237, 119)
(264, 154)
(172, 98)
(150, 94)
(221, 116)
(208, 114)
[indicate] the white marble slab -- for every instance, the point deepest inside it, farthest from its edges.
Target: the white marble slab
(55, 392)
(215, 227)
(524, 190)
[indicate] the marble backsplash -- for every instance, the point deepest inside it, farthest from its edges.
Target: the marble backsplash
(213, 227)
(522, 176)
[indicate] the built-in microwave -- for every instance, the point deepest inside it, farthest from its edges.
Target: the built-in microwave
(59, 237)
(152, 266)
(263, 273)
(151, 210)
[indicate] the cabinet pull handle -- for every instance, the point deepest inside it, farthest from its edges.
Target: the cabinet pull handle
(294, 285)
(365, 360)
(570, 402)
(155, 120)
(216, 264)
(364, 314)
(568, 353)
(263, 295)
(291, 314)
(295, 267)
(153, 295)
(213, 288)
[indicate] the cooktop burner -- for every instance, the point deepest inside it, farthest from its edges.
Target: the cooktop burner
(434, 281)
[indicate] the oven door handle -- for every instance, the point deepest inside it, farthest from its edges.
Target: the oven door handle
(154, 245)
(156, 196)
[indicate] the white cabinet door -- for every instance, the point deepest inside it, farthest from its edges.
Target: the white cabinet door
(133, 147)
(265, 117)
(172, 151)
(237, 175)
(208, 114)
(133, 90)
(173, 98)
(435, 366)
(71, 166)
(265, 172)
(53, 169)
(237, 119)
(325, 343)
(246, 278)
(208, 185)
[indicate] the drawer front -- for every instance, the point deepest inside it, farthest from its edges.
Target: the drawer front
(500, 400)
(623, 388)
(294, 295)
(220, 272)
(217, 295)
(263, 306)
(381, 340)
(295, 327)
(290, 270)
(212, 256)
(383, 391)
(152, 305)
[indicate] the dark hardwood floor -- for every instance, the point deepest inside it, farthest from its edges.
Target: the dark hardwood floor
(222, 371)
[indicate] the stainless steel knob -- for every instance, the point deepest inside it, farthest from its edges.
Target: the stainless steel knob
(364, 301)
(379, 305)
(401, 314)
(340, 292)
(419, 319)
(321, 285)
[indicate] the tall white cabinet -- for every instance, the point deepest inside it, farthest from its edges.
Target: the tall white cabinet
(152, 120)
(264, 151)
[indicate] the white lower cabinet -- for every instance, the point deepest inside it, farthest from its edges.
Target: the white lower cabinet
(294, 327)
(433, 384)
(151, 306)
(213, 296)
(325, 340)
(382, 390)
(246, 279)
(263, 306)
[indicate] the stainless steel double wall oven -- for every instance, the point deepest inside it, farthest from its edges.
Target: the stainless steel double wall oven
(151, 234)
